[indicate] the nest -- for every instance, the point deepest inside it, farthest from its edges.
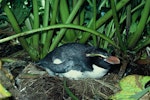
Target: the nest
(36, 84)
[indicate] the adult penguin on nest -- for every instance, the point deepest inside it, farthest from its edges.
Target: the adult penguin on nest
(75, 61)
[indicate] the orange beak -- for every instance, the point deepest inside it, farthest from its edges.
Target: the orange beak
(112, 60)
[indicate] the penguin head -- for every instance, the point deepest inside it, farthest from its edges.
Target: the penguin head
(101, 58)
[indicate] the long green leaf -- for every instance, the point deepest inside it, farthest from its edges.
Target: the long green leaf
(132, 40)
(50, 32)
(45, 20)
(108, 15)
(69, 92)
(70, 18)
(17, 29)
(116, 22)
(36, 24)
(61, 26)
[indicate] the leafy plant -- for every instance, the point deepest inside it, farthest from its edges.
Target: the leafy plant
(132, 90)
(4, 94)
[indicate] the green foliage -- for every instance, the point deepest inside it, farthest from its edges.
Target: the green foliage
(132, 90)
(4, 94)
(73, 97)
(107, 24)
(42, 25)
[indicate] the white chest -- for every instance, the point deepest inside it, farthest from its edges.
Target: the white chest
(96, 73)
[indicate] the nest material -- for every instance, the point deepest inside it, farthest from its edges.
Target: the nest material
(35, 84)
(51, 88)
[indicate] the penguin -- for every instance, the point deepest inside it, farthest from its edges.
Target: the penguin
(77, 61)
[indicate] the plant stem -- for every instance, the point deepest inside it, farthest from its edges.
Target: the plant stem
(76, 19)
(81, 19)
(108, 15)
(64, 13)
(110, 33)
(132, 11)
(128, 20)
(82, 28)
(45, 20)
(36, 24)
(50, 32)
(12, 19)
(123, 48)
(132, 40)
(69, 92)
(103, 19)
(94, 23)
(17, 29)
(86, 35)
(142, 43)
(62, 31)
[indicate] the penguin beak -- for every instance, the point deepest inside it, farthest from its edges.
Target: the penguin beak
(108, 59)
(112, 60)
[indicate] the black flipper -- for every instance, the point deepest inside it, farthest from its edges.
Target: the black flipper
(67, 65)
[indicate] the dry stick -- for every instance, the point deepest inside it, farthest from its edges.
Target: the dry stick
(122, 69)
(107, 85)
